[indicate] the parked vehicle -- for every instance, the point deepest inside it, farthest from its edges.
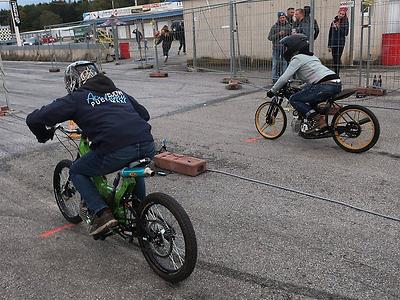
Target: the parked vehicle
(31, 41)
(9, 42)
(82, 34)
(46, 39)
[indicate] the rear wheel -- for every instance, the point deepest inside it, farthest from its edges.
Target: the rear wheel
(167, 237)
(356, 128)
(67, 198)
(270, 120)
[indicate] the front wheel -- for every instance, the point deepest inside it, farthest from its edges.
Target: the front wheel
(67, 197)
(270, 120)
(167, 237)
(356, 128)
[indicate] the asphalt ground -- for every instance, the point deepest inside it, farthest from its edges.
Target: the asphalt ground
(255, 241)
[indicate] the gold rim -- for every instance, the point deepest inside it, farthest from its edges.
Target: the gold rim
(269, 130)
(363, 120)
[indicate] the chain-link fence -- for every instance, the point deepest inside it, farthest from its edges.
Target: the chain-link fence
(233, 37)
(96, 40)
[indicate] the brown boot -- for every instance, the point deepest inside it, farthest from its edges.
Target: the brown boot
(103, 222)
(316, 123)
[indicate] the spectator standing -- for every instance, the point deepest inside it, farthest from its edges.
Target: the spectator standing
(307, 18)
(180, 36)
(166, 38)
(302, 24)
(337, 37)
(278, 31)
(290, 16)
(138, 37)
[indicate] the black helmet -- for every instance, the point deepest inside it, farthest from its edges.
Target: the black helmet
(77, 73)
(294, 43)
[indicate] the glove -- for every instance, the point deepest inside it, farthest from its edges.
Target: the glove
(45, 136)
(270, 94)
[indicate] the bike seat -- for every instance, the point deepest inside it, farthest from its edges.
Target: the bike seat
(344, 94)
(140, 163)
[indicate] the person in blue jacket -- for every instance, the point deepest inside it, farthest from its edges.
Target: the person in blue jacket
(115, 123)
(338, 31)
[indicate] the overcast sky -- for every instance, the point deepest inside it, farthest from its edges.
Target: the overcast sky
(6, 5)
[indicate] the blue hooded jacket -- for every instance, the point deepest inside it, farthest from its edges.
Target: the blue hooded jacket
(110, 118)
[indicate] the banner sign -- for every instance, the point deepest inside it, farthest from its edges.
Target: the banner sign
(367, 3)
(15, 12)
(347, 3)
(130, 10)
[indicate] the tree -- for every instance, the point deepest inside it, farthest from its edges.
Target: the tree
(5, 17)
(49, 18)
(36, 16)
(30, 17)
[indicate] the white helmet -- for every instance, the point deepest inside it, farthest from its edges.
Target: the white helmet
(77, 73)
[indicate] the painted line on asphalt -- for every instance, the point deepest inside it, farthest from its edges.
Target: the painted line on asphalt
(253, 139)
(55, 230)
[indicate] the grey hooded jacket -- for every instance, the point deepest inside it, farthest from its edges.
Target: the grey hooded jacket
(308, 69)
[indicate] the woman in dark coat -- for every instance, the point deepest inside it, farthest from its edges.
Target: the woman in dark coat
(166, 37)
(337, 37)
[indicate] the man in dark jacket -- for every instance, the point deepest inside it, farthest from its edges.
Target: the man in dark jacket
(138, 37)
(278, 31)
(290, 15)
(180, 36)
(302, 24)
(307, 18)
(114, 122)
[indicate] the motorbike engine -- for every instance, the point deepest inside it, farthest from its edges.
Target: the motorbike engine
(296, 123)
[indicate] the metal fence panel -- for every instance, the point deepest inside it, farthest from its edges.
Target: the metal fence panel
(370, 49)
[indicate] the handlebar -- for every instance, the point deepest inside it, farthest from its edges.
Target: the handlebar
(68, 131)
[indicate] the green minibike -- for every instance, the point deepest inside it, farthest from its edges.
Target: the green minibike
(163, 229)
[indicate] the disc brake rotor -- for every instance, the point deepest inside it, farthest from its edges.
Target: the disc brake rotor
(161, 238)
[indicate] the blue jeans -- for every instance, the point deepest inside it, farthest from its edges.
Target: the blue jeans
(313, 94)
(93, 164)
(279, 64)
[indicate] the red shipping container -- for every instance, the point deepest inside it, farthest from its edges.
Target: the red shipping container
(124, 51)
(390, 55)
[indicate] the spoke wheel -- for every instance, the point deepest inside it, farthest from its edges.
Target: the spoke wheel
(270, 120)
(356, 128)
(166, 237)
(67, 197)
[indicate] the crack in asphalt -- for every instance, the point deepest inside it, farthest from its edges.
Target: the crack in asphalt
(268, 282)
(387, 154)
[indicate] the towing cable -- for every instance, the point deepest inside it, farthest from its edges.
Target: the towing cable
(306, 194)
